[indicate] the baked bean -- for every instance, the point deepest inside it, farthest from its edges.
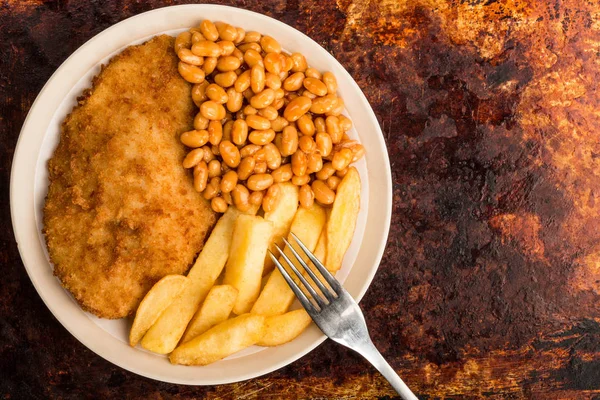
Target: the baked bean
(333, 182)
(241, 34)
(279, 94)
(345, 137)
(271, 197)
(300, 64)
(252, 37)
(342, 159)
(325, 172)
(297, 108)
(191, 73)
(240, 56)
(227, 47)
(253, 57)
(210, 192)
(283, 75)
(315, 86)
(272, 156)
(261, 137)
(259, 182)
(309, 94)
(214, 168)
(229, 181)
(206, 48)
(229, 153)
(228, 63)
(358, 152)
(216, 152)
(249, 150)
(193, 158)
(279, 123)
(188, 57)
(183, 41)
(239, 132)
(269, 113)
(270, 45)
(262, 99)
(312, 73)
(322, 105)
(332, 125)
(330, 81)
(258, 122)
(210, 63)
(227, 128)
(215, 132)
(241, 197)
(228, 199)
(208, 153)
(299, 163)
(216, 93)
(200, 176)
(235, 100)
(199, 92)
(273, 63)
(246, 167)
(306, 196)
(226, 79)
(219, 205)
(256, 198)
(287, 63)
(289, 141)
(300, 180)
(272, 81)
(306, 144)
(324, 143)
(261, 155)
(278, 103)
(212, 111)
(242, 82)
(260, 167)
(197, 37)
(338, 108)
(283, 173)
(320, 124)
(226, 31)
(195, 138)
(306, 125)
(293, 82)
(209, 30)
(315, 162)
(345, 123)
(257, 78)
(249, 46)
(323, 194)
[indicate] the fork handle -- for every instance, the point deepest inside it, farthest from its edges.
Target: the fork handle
(370, 352)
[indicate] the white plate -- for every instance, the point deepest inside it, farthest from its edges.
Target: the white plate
(40, 134)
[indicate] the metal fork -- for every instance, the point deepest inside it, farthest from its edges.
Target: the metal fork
(335, 312)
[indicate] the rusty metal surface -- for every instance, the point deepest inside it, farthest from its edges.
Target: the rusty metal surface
(490, 282)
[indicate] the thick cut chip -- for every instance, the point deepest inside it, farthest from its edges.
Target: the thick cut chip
(342, 221)
(164, 335)
(216, 308)
(284, 328)
(251, 237)
(221, 341)
(277, 296)
(281, 216)
(162, 294)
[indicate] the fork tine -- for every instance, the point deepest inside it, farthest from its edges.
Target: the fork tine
(335, 285)
(311, 273)
(306, 303)
(320, 301)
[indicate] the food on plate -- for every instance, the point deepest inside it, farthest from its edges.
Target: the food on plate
(164, 335)
(251, 238)
(265, 117)
(276, 297)
(162, 294)
(120, 214)
(342, 221)
(216, 308)
(221, 341)
(280, 329)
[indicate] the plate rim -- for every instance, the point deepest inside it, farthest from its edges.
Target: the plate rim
(15, 191)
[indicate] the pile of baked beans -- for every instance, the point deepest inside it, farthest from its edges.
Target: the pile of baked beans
(265, 117)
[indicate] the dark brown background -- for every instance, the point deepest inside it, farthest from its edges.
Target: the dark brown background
(490, 284)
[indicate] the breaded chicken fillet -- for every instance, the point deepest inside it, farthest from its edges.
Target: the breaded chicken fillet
(121, 211)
